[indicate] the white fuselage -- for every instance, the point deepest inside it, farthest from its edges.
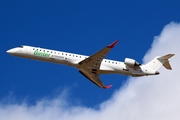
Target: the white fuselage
(107, 66)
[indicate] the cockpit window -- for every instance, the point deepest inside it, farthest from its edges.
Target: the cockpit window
(20, 46)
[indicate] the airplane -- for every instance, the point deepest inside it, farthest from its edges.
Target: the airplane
(92, 66)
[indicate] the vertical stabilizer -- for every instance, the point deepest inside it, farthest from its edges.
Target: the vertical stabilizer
(157, 62)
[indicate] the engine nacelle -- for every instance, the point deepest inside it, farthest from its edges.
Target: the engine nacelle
(131, 62)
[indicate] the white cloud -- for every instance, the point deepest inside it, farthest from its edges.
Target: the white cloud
(145, 98)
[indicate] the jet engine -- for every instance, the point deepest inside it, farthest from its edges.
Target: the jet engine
(131, 62)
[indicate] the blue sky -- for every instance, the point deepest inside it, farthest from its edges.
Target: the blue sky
(82, 27)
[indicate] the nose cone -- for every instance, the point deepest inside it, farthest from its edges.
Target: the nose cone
(11, 51)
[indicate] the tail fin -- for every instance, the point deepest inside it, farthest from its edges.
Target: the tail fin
(157, 62)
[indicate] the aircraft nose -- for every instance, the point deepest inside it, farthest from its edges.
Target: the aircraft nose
(11, 51)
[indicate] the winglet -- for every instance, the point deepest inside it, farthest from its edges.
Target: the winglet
(107, 87)
(113, 44)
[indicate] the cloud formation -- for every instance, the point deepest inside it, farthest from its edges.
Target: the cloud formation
(144, 98)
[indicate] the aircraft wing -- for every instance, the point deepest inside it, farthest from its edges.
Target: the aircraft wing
(90, 65)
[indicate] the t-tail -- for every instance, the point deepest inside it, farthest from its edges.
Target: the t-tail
(157, 62)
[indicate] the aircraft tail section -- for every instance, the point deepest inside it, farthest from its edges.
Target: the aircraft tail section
(157, 62)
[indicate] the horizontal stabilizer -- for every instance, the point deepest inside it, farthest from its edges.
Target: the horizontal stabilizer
(167, 66)
(166, 57)
(165, 61)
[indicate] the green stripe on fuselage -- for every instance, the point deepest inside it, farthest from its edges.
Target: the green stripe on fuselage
(43, 54)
